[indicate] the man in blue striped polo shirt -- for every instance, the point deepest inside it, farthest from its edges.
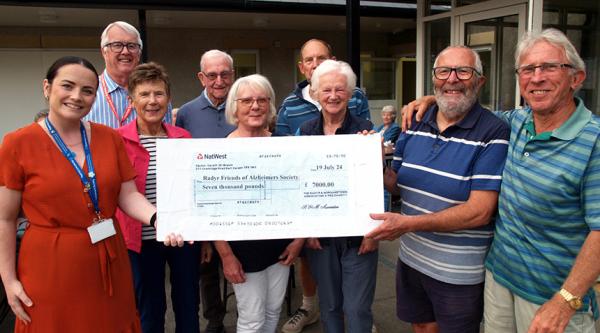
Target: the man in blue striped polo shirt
(300, 106)
(447, 170)
(545, 256)
(546, 252)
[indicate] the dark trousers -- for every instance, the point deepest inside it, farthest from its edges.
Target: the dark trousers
(148, 268)
(7, 319)
(213, 308)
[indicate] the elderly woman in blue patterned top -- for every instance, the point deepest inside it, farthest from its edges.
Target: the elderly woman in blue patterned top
(389, 130)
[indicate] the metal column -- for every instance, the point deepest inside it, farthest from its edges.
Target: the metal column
(142, 29)
(353, 36)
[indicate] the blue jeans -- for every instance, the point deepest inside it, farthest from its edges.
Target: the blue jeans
(346, 285)
(148, 268)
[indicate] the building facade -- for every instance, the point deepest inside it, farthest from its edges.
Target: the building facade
(396, 42)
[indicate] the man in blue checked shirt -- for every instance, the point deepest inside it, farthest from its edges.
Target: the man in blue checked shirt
(121, 47)
(447, 170)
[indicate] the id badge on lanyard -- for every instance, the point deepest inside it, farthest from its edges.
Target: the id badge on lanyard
(101, 228)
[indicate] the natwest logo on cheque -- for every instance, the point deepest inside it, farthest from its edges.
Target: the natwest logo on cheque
(213, 156)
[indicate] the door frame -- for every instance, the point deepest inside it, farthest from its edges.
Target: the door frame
(469, 13)
(462, 20)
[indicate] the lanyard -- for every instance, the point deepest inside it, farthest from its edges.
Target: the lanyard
(89, 184)
(111, 104)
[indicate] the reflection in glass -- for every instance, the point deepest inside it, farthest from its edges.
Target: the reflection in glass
(378, 79)
(579, 21)
(438, 6)
(495, 41)
(576, 18)
(244, 63)
(550, 17)
(437, 37)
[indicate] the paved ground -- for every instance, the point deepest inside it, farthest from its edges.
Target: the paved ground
(383, 307)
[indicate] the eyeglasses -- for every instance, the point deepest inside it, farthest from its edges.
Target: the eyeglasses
(117, 47)
(213, 76)
(248, 101)
(546, 68)
(462, 73)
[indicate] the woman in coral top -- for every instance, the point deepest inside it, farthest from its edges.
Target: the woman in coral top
(68, 176)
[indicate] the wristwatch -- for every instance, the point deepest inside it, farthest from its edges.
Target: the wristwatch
(574, 301)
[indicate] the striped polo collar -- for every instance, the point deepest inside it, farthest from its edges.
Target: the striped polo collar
(573, 126)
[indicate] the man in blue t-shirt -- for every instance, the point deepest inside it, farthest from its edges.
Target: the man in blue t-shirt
(447, 170)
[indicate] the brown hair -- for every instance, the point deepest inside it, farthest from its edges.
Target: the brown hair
(148, 72)
(69, 60)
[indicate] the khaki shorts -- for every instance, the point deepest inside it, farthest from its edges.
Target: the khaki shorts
(505, 312)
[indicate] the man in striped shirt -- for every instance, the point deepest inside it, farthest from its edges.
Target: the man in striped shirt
(447, 170)
(546, 251)
(121, 47)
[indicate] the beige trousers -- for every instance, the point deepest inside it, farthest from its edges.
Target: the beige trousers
(505, 312)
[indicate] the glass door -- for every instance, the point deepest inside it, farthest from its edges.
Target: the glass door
(494, 34)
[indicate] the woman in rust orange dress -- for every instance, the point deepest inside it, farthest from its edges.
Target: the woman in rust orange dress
(69, 176)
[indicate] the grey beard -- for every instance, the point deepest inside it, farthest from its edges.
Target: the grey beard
(453, 110)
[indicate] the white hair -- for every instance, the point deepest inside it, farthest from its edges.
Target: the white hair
(254, 81)
(390, 109)
(128, 28)
(551, 36)
(333, 66)
(215, 54)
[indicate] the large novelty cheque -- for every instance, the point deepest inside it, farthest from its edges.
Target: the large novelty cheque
(264, 188)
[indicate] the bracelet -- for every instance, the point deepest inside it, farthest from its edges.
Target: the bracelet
(153, 221)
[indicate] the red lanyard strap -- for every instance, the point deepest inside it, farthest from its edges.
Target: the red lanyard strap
(111, 104)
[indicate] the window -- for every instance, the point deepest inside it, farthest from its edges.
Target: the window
(438, 6)
(579, 21)
(437, 36)
(379, 78)
(245, 62)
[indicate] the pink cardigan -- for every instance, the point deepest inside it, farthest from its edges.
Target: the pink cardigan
(139, 157)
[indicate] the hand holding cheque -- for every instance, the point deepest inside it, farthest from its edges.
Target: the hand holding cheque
(260, 188)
